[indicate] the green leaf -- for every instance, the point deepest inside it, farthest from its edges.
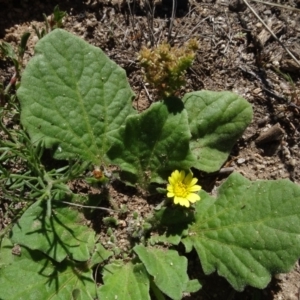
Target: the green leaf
(124, 282)
(169, 270)
(23, 44)
(7, 50)
(251, 230)
(217, 120)
(33, 276)
(100, 254)
(193, 286)
(58, 236)
(73, 97)
(58, 16)
(153, 143)
(164, 238)
(171, 223)
(175, 218)
(6, 257)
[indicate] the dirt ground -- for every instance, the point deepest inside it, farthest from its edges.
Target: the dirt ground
(237, 53)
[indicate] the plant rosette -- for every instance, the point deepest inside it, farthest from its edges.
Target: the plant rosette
(79, 103)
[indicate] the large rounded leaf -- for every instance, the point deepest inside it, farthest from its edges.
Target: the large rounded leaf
(31, 275)
(125, 282)
(251, 230)
(154, 143)
(168, 268)
(217, 120)
(59, 235)
(73, 97)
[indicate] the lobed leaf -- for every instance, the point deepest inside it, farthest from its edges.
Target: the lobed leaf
(172, 223)
(164, 238)
(169, 270)
(6, 257)
(193, 286)
(73, 97)
(217, 120)
(100, 254)
(125, 282)
(250, 231)
(58, 236)
(33, 276)
(153, 143)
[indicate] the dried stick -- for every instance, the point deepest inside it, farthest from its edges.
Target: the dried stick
(272, 33)
(86, 206)
(174, 7)
(150, 20)
(277, 5)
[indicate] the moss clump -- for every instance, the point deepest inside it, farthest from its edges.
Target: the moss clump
(165, 66)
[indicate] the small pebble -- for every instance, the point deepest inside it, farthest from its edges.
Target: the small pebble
(122, 223)
(256, 91)
(280, 276)
(241, 160)
(259, 167)
(267, 12)
(292, 162)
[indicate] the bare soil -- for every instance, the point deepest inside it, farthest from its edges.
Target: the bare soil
(236, 53)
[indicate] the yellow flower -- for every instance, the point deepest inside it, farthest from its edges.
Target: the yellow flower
(183, 188)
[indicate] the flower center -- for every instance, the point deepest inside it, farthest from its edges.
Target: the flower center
(180, 190)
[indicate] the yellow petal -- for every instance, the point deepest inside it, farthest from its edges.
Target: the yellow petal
(184, 202)
(192, 197)
(172, 180)
(170, 188)
(182, 175)
(170, 195)
(194, 188)
(193, 181)
(188, 179)
(181, 201)
(176, 199)
(175, 174)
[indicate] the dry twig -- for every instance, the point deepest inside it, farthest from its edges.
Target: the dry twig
(90, 207)
(174, 7)
(272, 33)
(277, 5)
